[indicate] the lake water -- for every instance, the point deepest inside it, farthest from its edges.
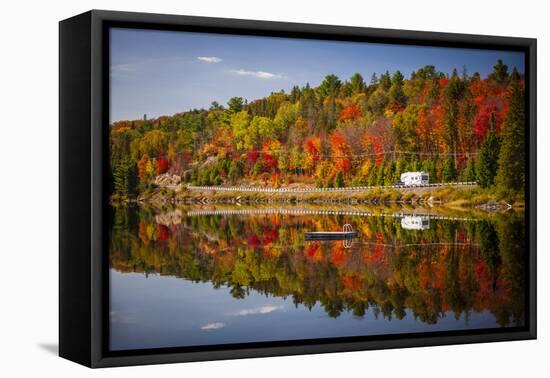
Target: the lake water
(201, 276)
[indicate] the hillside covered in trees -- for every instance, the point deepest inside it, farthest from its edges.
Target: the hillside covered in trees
(342, 133)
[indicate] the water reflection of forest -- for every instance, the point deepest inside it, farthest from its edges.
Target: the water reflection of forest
(452, 267)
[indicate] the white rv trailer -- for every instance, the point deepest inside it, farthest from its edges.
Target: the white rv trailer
(414, 222)
(415, 178)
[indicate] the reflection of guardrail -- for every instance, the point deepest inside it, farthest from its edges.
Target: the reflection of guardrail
(284, 211)
(349, 243)
(321, 190)
(443, 244)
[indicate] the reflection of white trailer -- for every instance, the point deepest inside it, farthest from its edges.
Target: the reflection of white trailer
(413, 222)
(415, 178)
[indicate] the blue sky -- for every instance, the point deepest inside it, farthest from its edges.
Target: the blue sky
(162, 73)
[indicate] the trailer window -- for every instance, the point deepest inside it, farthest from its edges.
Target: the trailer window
(425, 177)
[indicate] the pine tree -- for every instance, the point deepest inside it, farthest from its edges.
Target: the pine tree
(389, 173)
(396, 94)
(258, 168)
(487, 161)
(373, 177)
(295, 94)
(428, 165)
(330, 86)
(469, 173)
(500, 72)
(120, 179)
(373, 79)
(414, 164)
(235, 105)
(339, 180)
(449, 170)
(452, 94)
(380, 173)
(400, 167)
(385, 81)
(357, 83)
(511, 162)
(125, 178)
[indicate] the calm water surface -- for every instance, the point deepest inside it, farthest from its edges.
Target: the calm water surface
(195, 276)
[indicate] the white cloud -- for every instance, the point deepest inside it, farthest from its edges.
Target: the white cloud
(209, 59)
(258, 310)
(213, 326)
(122, 68)
(258, 74)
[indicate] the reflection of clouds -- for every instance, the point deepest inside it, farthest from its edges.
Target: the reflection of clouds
(258, 310)
(216, 325)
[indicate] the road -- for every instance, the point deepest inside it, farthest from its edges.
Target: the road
(354, 189)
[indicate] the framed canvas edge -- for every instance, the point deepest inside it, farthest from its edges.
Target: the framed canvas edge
(100, 18)
(278, 351)
(74, 289)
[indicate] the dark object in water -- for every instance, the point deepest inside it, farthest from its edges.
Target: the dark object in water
(346, 233)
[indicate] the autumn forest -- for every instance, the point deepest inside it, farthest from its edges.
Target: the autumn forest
(344, 132)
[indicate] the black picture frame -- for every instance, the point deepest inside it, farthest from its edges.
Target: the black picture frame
(83, 204)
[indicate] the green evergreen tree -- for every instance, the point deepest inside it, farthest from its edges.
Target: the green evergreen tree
(380, 173)
(487, 160)
(356, 83)
(258, 167)
(294, 94)
(400, 167)
(500, 72)
(428, 165)
(385, 81)
(119, 179)
(414, 164)
(389, 173)
(469, 173)
(449, 170)
(511, 162)
(235, 105)
(373, 177)
(330, 86)
(339, 180)
(396, 94)
(125, 178)
(452, 94)
(373, 79)
(215, 105)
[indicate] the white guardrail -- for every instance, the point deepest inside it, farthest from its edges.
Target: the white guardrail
(320, 190)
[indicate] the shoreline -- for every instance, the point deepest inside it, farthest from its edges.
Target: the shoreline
(451, 197)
